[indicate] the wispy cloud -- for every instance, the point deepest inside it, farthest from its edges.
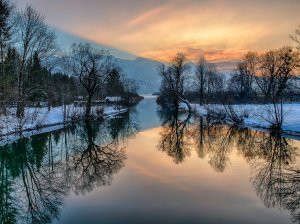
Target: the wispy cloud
(139, 20)
(159, 28)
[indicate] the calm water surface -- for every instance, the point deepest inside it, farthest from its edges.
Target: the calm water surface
(150, 167)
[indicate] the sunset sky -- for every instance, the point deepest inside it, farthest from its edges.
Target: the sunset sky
(157, 29)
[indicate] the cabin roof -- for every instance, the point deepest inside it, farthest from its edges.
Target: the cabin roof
(113, 98)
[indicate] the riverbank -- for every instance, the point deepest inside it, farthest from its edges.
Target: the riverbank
(40, 118)
(258, 116)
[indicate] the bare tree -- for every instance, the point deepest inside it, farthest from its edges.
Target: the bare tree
(92, 68)
(33, 37)
(172, 89)
(275, 70)
(242, 79)
(215, 81)
(296, 37)
(209, 80)
(131, 85)
(130, 90)
(201, 71)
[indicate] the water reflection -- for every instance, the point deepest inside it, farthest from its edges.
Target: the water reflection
(275, 175)
(94, 164)
(37, 173)
(29, 191)
(173, 135)
(214, 139)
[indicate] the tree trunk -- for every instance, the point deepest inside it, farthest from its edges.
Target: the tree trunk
(187, 103)
(2, 84)
(20, 103)
(201, 90)
(49, 105)
(88, 107)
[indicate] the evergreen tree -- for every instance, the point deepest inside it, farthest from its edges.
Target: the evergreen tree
(5, 36)
(10, 73)
(5, 31)
(114, 84)
(36, 80)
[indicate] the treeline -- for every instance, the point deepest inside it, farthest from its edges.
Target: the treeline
(268, 78)
(39, 83)
(34, 71)
(98, 74)
(257, 78)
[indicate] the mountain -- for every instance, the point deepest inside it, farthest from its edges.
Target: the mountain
(145, 71)
(65, 40)
(141, 69)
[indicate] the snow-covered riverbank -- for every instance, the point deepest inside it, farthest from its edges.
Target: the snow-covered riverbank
(259, 116)
(39, 118)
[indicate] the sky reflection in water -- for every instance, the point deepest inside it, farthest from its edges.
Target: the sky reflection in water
(131, 170)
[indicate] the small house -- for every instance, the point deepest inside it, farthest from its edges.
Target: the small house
(113, 99)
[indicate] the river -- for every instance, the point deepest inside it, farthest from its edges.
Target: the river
(148, 166)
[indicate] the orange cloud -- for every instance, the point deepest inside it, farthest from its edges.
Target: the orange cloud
(144, 17)
(194, 54)
(221, 30)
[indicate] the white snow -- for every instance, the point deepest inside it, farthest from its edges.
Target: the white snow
(111, 111)
(183, 107)
(113, 98)
(258, 115)
(38, 117)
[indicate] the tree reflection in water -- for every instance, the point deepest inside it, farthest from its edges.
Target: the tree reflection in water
(274, 173)
(173, 135)
(215, 140)
(275, 178)
(37, 173)
(93, 165)
(33, 193)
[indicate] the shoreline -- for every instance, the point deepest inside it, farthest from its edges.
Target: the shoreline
(252, 123)
(27, 132)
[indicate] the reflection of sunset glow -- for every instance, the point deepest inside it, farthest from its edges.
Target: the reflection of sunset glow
(158, 29)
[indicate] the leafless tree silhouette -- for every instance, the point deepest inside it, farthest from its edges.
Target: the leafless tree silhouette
(173, 137)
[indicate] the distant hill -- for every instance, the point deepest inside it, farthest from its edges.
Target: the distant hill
(141, 69)
(145, 71)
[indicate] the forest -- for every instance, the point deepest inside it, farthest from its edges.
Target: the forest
(269, 79)
(35, 72)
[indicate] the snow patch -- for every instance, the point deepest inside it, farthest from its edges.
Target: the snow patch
(254, 114)
(36, 118)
